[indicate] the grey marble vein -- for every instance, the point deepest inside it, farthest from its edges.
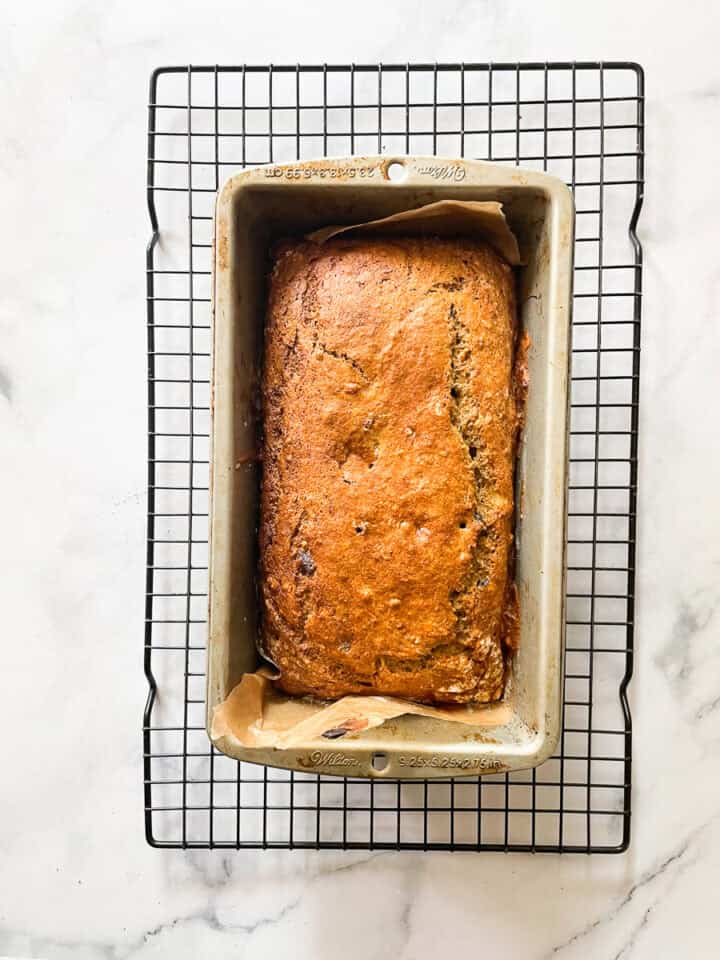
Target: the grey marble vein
(630, 943)
(125, 949)
(707, 708)
(6, 389)
(213, 881)
(694, 615)
(207, 916)
(679, 855)
(405, 918)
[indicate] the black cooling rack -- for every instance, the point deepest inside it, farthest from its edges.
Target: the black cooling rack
(580, 121)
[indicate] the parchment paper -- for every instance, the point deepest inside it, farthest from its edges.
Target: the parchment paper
(446, 218)
(256, 713)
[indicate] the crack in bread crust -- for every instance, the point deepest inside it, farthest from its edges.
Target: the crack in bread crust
(463, 415)
(339, 355)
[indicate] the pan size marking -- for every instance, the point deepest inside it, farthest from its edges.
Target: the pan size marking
(322, 173)
(451, 763)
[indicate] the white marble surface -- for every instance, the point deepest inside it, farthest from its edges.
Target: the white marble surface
(76, 878)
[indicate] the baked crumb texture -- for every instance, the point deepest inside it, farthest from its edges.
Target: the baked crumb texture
(390, 423)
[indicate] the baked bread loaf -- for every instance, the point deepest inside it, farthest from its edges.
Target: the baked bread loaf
(390, 422)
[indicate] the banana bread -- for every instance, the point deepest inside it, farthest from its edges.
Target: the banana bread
(390, 422)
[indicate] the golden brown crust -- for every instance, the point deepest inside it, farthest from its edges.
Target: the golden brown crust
(387, 501)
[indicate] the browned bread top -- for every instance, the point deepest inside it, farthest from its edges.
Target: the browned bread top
(390, 422)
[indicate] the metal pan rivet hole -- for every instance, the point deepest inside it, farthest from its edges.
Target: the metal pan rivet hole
(379, 762)
(395, 171)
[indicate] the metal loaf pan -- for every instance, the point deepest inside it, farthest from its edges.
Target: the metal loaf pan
(253, 209)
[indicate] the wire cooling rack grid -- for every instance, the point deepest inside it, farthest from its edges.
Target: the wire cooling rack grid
(584, 123)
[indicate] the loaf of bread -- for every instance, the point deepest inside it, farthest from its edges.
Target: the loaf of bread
(390, 422)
